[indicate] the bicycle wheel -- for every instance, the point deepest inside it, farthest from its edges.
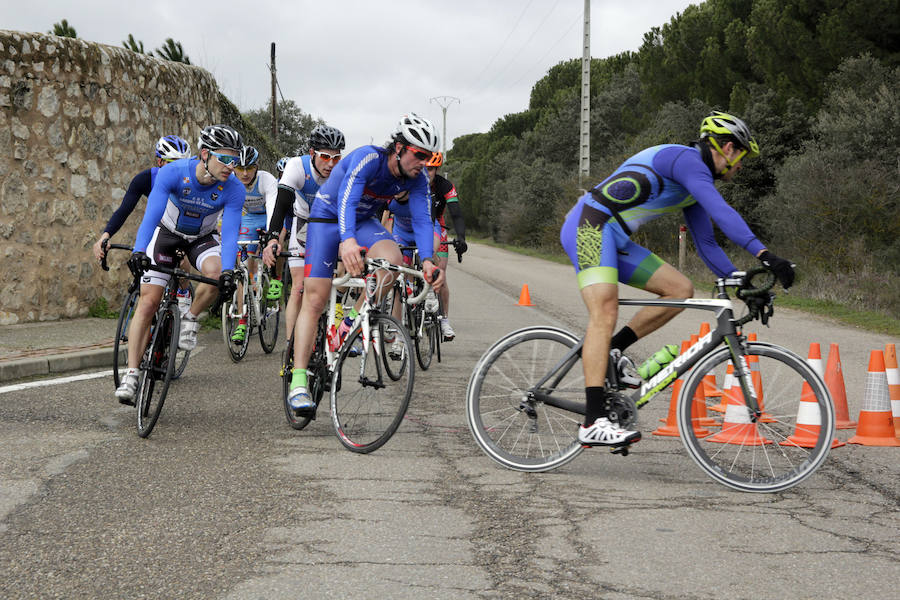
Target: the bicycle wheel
(394, 356)
(366, 408)
(269, 316)
(782, 448)
(181, 359)
(424, 340)
(231, 317)
(120, 344)
(512, 425)
(157, 369)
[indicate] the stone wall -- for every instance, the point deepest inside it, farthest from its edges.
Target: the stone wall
(77, 121)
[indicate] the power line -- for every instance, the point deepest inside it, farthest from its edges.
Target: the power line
(503, 45)
(550, 49)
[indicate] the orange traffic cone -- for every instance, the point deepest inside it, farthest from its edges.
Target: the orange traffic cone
(809, 418)
(893, 377)
(524, 297)
(710, 390)
(756, 376)
(670, 428)
(737, 428)
(729, 377)
(834, 379)
(876, 425)
(700, 417)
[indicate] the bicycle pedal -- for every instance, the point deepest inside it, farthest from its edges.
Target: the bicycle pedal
(623, 450)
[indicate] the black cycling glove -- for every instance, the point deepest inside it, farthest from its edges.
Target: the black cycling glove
(226, 283)
(783, 269)
(138, 263)
(461, 246)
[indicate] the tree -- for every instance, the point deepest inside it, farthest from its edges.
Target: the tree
(293, 127)
(173, 51)
(134, 45)
(63, 29)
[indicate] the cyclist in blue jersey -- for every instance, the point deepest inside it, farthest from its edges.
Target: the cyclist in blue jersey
(596, 236)
(168, 149)
(261, 188)
(343, 220)
(182, 212)
(302, 177)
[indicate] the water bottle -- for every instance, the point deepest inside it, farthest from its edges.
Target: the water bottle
(655, 363)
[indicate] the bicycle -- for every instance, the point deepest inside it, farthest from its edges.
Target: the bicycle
(120, 343)
(261, 314)
(419, 317)
(363, 418)
(157, 366)
(525, 398)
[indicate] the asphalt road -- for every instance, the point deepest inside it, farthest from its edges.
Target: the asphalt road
(224, 500)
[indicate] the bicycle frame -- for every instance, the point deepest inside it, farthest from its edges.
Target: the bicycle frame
(725, 330)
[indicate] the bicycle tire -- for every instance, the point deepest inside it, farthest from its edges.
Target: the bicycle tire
(269, 316)
(230, 321)
(394, 367)
(293, 420)
(365, 413)
(183, 356)
(782, 448)
(520, 432)
(121, 341)
(423, 339)
(157, 369)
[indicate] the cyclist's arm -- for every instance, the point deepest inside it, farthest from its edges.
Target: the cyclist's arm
(231, 225)
(459, 224)
(156, 206)
(280, 208)
(139, 186)
(350, 191)
(708, 250)
(423, 226)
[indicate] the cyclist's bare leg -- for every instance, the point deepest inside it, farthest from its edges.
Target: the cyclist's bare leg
(444, 293)
(391, 251)
(293, 305)
(206, 294)
(185, 266)
(139, 329)
(668, 283)
(317, 291)
(602, 301)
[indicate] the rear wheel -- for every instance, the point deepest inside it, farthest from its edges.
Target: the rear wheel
(120, 344)
(157, 369)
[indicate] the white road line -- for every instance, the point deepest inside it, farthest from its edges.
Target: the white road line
(59, 380)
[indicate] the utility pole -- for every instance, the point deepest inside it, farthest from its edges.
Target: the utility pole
(584, 160)
(274, 99)
(444, 102)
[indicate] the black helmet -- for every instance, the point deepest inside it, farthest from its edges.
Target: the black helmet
(323, 136)
(216, 137)
(249, 156)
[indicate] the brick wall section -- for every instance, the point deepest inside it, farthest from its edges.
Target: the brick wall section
(77, 121)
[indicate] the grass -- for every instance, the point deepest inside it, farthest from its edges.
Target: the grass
(873, 321)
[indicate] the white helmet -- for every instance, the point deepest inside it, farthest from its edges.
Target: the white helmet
(417, 131)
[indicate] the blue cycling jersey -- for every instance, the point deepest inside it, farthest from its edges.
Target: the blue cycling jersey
(361, 184)
(180, 204)
(668, 178)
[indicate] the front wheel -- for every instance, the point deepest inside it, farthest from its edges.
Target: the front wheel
(231, 317)
(157, 369)
(183, 355)
(506, 412)
(785, 445)
(269, 316)
(120, 344)
(366, 406)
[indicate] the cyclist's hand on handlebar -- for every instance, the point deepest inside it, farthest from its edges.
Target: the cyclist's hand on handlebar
(270, 252)
(99, 248)
(461, 247)
(226, 283)
(783, 269)
(350, 255)
(433, 275)
(138, 263)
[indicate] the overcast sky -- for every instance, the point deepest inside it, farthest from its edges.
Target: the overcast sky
(361, 64)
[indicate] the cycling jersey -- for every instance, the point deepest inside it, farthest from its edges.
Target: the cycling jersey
(653, 182)
(443, 195)
(259, 201)
(181, 205)
(139, 186)
(300, 176)
(361, 184)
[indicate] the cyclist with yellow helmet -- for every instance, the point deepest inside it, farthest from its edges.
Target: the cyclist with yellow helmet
(596, 236)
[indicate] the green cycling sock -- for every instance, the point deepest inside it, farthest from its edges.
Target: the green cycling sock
(298, 378)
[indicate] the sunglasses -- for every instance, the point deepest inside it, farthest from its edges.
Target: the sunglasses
(328, 157)
(419, 153)
(225, 159)
(245, 169)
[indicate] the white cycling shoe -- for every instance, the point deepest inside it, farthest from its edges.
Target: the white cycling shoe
(187, 339)
(604, 432)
